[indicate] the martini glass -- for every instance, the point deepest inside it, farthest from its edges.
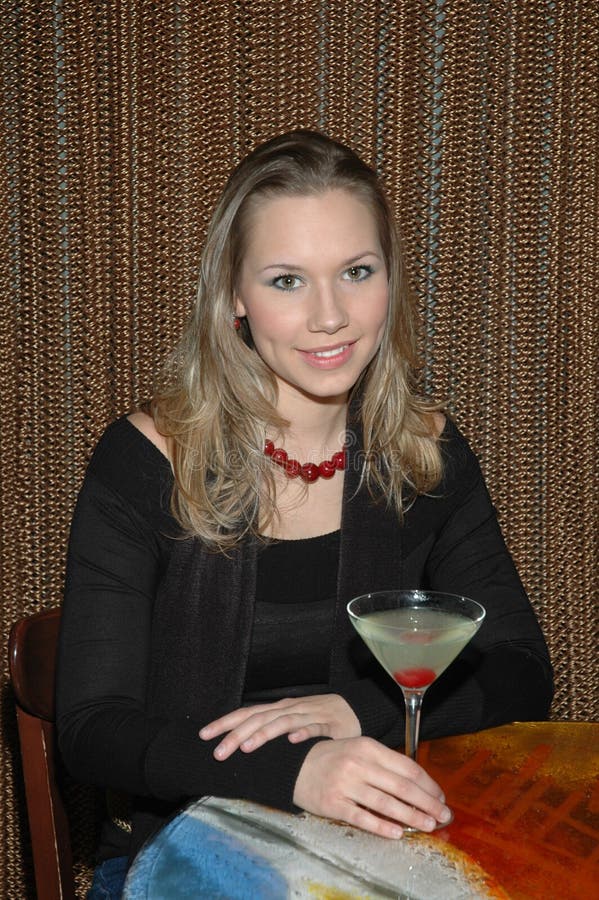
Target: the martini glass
(415, 635)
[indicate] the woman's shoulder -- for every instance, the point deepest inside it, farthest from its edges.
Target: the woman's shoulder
(130, 461)
(145, 423)
(460, 463)
(461, 474)
(129, 440)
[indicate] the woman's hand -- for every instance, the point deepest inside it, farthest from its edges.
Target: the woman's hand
(323, 715)
(367, 785)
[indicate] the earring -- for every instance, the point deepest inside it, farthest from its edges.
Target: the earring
(236, 323)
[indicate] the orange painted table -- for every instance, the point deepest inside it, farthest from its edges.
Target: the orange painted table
(526, 804)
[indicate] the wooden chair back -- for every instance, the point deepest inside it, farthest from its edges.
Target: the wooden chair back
(32, 661)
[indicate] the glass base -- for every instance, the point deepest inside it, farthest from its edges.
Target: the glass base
(409, 829)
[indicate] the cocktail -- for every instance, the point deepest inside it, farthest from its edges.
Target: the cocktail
(415, 635)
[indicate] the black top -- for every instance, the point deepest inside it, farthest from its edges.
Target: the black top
(293, 619)
(157, 630)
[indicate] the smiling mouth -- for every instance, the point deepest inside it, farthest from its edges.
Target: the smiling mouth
(329, 354)
(325, 358)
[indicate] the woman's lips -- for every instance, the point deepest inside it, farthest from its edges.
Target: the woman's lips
(328, 357)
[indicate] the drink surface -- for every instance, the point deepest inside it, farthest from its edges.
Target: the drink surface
(414, 644)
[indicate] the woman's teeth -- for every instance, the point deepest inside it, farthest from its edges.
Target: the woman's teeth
(328, 353)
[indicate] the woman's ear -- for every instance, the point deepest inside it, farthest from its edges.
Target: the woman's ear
(239, 307)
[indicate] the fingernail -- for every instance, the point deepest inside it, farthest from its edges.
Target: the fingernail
(445, 815)
(397, 833)
(219, 752)
(247, 745)
(205, 733)
(429, 824)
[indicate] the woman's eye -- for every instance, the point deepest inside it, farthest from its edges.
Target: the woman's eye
(358, 273)
(286, 282)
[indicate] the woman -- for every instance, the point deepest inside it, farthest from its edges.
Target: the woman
(284, 466)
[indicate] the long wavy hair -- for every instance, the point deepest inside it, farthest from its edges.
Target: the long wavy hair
(216, 398)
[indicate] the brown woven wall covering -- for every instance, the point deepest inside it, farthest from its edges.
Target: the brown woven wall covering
(120, 120)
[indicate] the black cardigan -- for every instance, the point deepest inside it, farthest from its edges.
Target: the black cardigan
(156, 629)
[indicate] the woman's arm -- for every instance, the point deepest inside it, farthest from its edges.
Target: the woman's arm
(507, 660)
(107, 736)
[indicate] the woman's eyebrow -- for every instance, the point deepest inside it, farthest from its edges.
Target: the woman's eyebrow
(296, 267)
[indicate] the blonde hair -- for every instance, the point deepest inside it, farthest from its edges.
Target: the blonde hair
(216, 398)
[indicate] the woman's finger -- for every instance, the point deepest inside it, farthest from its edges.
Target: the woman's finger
(256, 732)
(284, 725)
(230, 720)
(416, 809)
(237, 717)
(414, 774)
(305, 733)
(360, 817)
(398, 765)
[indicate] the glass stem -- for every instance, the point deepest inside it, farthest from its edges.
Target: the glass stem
(413, 706)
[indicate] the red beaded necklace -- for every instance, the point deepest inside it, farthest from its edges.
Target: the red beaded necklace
(309, 472)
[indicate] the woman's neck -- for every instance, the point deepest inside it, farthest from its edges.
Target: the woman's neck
(316, 430)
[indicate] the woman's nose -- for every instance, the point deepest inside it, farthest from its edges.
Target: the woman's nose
(328, 312)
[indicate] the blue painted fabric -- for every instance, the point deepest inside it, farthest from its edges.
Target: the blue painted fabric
(109, 879)
(189, 852)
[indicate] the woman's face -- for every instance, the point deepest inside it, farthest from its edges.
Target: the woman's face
(313, 285)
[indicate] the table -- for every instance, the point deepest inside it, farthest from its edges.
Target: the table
(526, 804)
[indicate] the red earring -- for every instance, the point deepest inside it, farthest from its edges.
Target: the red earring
(236, 323)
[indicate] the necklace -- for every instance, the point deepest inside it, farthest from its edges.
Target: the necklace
(309, 472)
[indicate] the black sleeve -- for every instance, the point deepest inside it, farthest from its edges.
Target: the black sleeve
(106, 736)
(504, 674)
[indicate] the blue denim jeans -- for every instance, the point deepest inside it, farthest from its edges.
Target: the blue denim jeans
(109, 879)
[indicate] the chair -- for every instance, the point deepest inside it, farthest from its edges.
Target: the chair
(32, 661)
